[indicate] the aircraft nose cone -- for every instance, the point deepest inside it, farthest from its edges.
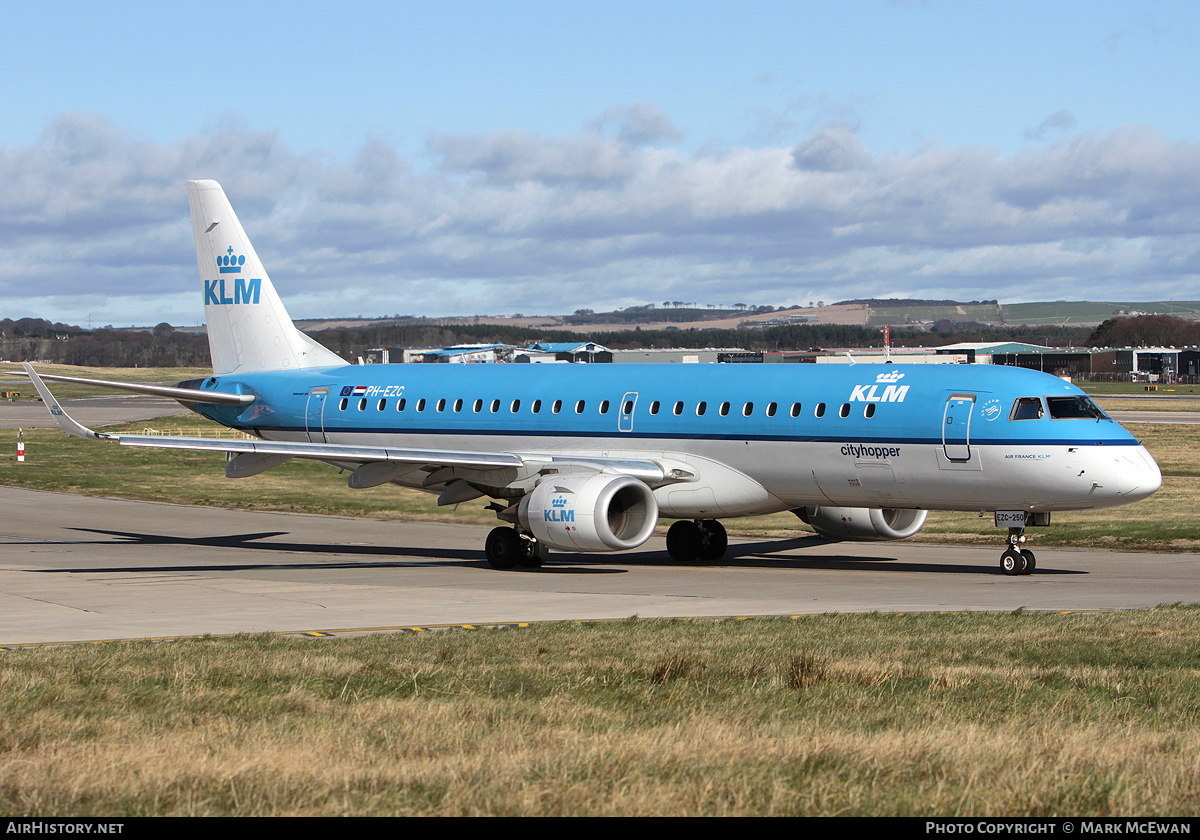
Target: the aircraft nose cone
(1140, 475)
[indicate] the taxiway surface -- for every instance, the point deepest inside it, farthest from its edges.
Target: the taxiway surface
(90, 411)
(76, 568)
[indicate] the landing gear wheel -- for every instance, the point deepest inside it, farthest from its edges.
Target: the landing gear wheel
(684, 541)
(1012, 563)
(1017, 561)
(713, 540)
(1030, 561)
(535, 553)
(504, 548)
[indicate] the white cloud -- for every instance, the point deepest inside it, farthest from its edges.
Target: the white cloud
(515, 221)
(639, 124)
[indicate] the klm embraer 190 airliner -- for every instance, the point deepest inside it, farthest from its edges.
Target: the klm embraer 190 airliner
(588, 457)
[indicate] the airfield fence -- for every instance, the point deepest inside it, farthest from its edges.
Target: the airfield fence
(1137, 377)
(208, 433)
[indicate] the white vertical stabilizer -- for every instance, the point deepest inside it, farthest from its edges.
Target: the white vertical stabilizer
(248, 327)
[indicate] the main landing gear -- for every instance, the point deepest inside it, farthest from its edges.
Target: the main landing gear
(1016, 560)
(507, 548)
(702, 539)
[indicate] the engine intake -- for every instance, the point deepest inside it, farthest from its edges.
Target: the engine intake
(863, 524)
(589, 512)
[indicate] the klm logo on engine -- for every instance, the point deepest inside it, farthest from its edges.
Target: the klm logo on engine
(558, 511)
(244, 290)
(884, 389)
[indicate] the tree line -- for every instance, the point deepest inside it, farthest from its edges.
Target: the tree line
(31, 339)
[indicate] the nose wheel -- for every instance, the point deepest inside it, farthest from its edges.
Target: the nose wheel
(1016, 560)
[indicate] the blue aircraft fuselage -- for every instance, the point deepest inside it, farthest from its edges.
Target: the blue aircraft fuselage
(929, 436)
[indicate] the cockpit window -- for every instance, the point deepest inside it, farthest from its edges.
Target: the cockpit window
(1077, 407)
(1027, 408)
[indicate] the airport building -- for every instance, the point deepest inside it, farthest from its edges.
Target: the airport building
(1141, 364)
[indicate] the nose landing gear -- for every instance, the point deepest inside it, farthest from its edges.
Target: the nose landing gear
(1016, 560)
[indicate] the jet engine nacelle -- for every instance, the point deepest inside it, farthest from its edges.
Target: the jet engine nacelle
(589, 512)
(839, 523)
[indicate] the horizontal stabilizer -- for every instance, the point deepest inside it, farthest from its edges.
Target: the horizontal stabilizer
(187, 395)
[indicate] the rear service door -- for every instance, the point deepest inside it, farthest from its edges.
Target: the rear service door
(314, 414)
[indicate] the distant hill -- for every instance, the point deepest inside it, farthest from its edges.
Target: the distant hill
(1082, 313)
(847, 323)
(1063, 313)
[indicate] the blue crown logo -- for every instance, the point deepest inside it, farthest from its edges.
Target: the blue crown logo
(230, 264)
(560, 501)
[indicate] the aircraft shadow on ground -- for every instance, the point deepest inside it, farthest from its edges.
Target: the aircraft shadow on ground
(765, 555)
(769, 555)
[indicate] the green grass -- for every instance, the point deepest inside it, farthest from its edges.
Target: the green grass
(1014, 714)
(1083, 312)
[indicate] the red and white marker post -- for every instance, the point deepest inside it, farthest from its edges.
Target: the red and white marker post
(20, 446)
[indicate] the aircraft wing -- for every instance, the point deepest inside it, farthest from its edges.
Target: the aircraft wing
(376, 464)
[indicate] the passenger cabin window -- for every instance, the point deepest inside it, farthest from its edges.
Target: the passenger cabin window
(495, 406)
(724, 409)
(557, 407)
(1027, 408)
(628, 409)
(1074, 408)
(477, 406)
(381, 405)
(579, 407)
(400, 403)
(795, 409)
(771, 409)
(536, 407)
(604, 407)
(457, 406)
(362, 404)
(441, 405)
(701, 407)
(421, 404)
(653, 407)
(342, 404)
(844, 411)
(678, 409)
(516, 406)
(820, 410)
(869, 411)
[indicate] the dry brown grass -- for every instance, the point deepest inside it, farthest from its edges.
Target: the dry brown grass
(967, 714)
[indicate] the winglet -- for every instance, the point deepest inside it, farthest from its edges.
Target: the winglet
(61, 417)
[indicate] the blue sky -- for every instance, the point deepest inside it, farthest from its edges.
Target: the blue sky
(463, 158)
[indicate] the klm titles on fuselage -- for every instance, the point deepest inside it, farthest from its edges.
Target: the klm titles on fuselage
(891, 391)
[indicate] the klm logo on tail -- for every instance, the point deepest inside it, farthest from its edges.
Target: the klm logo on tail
(230, 264)
(244, 290)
